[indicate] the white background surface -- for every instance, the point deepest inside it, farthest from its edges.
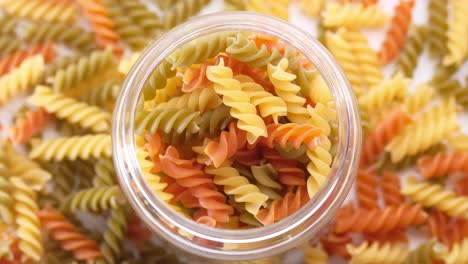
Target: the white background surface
(423, 73)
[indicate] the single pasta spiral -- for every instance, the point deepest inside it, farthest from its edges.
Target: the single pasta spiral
(316, 255)
(84, 69)
(396, 34)
(458, 254)
(267, 103)
(438, 26)
(433, 195)
(21, 78)
(31, 124)
(294, 134)
(95, 199)
(113, 236)
(408, 59)
(61, 230)
(457, 34)
(390, 186)
(70, 35)
(443, 163)
(72, 148)
(377, 220)
(141, 16)
(198, 100)
(239, 186)
(366, 188)
(41, 10)
(6, 201)
(353, 16)
(384, 93)
(27, 221)
(281, 209)
(229, 143)
(75, 112)
(168, 120)
(181, 11)
(431, 127)
(376, 253)
(366, 57)
(200, 50)
(424, 254)
(288, 91)
(238, 100)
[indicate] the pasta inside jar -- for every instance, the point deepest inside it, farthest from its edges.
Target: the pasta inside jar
(236, 128)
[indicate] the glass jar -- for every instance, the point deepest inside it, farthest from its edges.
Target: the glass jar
(236, 245)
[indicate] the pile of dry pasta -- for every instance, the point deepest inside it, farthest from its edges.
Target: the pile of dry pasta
(262, 129)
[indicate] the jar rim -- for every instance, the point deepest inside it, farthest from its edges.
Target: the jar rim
(267, 240)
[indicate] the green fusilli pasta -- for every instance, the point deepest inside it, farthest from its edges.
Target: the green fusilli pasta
(168, 120)
(114, 235)
(181, 11)
(438, 26)
(95, 199)
(105, 173)
(408, 59)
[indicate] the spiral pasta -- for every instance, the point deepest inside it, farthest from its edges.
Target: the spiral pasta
(180, 12)
(98, 16)
(238, 186)
(140, 15)
(386, 92)
(458, 253)
(353, 16)
(75, 112)
(105, 173)
(27, 222)
(8, 63)
(287, 90)
(238, 100)
(283, 208)
(412, 49)
(421, 97)
(438, 26)
(342, 51)
(61, 230)
(390, 186)
(72, 148)
(245, 50)
(315, 255)
(442, 164)
(70, 35)
(113, 236)
(84, 69)
(380, 221)
(6, 201)
(125, 27)
(447, 87)
(198, 100)
(376, 253)
(277, 8)
(366, 189)
(21, 78)
(265, 175)
(201, 49)
(8, 24)
(95, 199)
(104, 96)
(31, 124)
(311, 9)
(426, 131)
(433, 195)
(366, 57)
(9, 44)
(159, 78)
(396, 34)
(389, 128)
(423, 254)
(41, 10)
(457, 34)
(268, 104)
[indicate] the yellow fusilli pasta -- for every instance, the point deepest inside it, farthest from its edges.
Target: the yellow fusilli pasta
(41, 10)
(375, 253)
(433, 195)
(19, 79)
(198, 100)
(457, 34)
(353, 16)
(75, 112)
(386, 92)
(416, 102)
